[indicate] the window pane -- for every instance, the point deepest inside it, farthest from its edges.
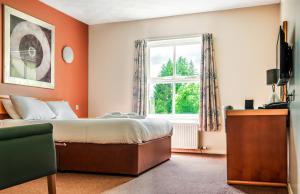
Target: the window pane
(188, 59)
(160, 99)
(161, 61)
(187, 98)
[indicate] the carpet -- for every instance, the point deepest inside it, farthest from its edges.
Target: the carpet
(190, 174)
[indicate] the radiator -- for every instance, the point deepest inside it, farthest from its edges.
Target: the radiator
(185, 135)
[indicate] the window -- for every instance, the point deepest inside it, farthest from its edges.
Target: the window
(173, 77)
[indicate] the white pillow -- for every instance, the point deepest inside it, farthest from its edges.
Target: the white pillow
(31, 109)
(62, 110)
(9, 107)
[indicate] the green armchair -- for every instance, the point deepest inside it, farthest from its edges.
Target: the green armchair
(27, 153)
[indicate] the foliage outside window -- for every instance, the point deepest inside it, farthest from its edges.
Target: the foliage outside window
(174, 69)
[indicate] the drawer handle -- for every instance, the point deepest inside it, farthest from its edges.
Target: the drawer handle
(61, 144)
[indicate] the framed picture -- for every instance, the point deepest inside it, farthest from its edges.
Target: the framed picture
(28, 50)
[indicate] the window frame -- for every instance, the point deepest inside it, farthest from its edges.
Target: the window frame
(172, 42)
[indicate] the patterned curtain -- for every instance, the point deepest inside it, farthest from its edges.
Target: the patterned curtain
(210, 119)
(140, 79)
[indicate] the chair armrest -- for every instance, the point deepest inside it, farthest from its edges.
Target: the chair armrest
(27, 153)
(25, 131)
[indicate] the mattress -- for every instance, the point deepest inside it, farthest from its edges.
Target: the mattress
(102, 131)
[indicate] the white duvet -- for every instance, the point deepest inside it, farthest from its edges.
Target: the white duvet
(114, 130)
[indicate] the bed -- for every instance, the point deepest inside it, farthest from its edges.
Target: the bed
(118, 146)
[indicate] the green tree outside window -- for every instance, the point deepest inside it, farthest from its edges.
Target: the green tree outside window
(187, 94)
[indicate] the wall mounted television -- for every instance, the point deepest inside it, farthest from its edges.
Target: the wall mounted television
(284, 58)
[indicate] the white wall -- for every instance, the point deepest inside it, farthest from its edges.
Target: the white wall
(245, 41)
(290, 12)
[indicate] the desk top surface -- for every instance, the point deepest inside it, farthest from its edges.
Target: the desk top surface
(257, 112)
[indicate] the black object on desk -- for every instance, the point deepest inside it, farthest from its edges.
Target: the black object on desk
(276, 105)
(248, 104)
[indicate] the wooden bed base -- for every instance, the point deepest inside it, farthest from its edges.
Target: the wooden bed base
(129, 159)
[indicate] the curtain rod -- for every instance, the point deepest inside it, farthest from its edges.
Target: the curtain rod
(174, 37)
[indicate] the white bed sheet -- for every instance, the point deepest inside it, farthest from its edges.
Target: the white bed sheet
(103, 131)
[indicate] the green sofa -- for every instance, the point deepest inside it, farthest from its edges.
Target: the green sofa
(27, 153)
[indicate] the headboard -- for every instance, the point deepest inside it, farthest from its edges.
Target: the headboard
(3, 113)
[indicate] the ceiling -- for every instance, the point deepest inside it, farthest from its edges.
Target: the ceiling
(106, 11)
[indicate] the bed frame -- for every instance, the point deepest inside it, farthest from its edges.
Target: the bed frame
(129, 159)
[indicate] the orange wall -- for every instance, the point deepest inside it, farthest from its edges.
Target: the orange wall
(71, 80)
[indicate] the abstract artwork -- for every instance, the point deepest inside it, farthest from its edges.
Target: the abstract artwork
(28, 50)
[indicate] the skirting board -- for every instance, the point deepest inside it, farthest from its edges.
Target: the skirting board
(289, 188)
(198, 151)
(271, 184)
(181, 150)
(214, 151)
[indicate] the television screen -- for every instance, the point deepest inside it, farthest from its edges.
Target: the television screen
(284, 58)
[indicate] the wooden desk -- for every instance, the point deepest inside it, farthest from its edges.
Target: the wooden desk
(257, 147)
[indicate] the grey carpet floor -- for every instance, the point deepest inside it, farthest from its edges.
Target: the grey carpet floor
(183, 174)
(191, 174)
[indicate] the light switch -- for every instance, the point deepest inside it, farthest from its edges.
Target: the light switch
(76, 107)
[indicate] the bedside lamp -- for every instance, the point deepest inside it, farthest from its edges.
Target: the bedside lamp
(272, 79)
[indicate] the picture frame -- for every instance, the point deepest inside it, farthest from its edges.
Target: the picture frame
(29, 50)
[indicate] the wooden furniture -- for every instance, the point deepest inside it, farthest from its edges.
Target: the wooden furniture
(257, 147)
(19, 146)
(131, 159)
(51, 182)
